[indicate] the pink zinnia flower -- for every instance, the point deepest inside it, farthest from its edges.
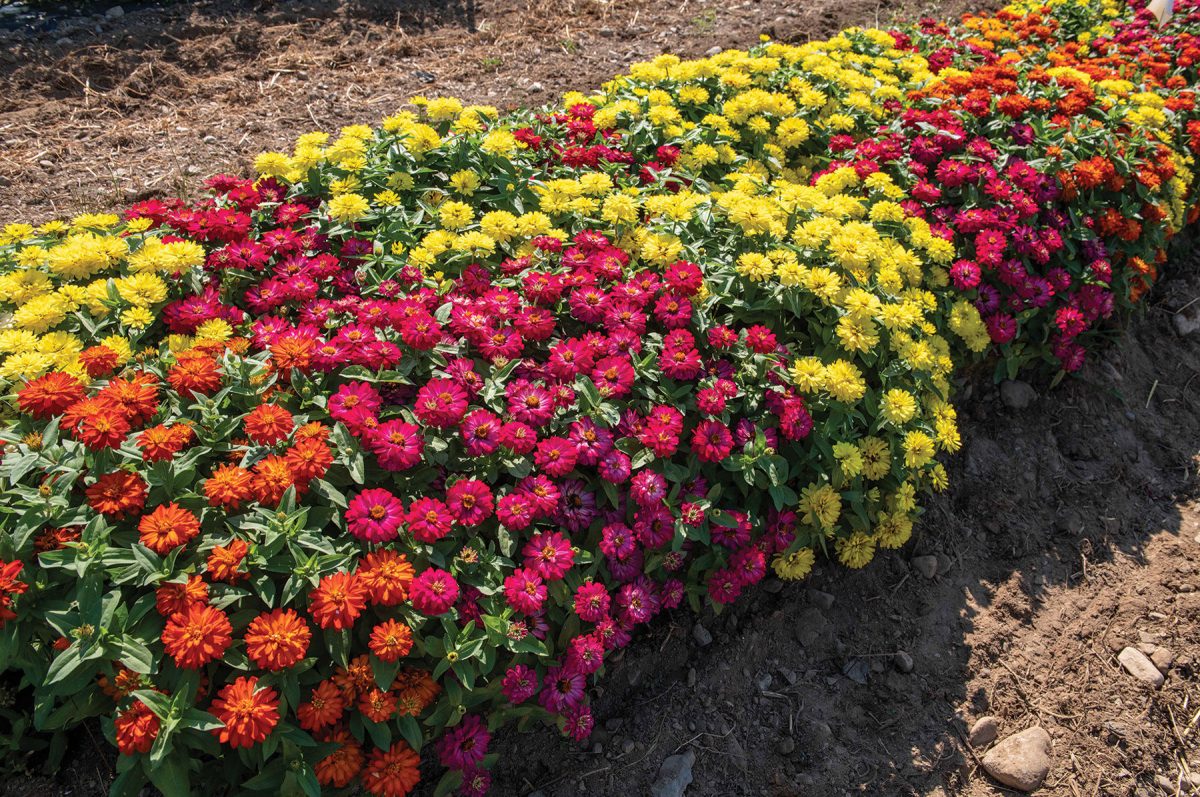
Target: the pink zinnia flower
(579, 722)
(724, 586)
(711, 441)
(396, 444)
(518, 438)
(549, 554)
(440, 403)
(470, 502)
(374, 515)
(429, 520)
(352, 400)
(592, 602)
(464, 745)
(433, 592)
(556, 456)
(525, 591)
(562, 688)
(519, 684)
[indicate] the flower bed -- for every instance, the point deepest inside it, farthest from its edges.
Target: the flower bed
(348, 465)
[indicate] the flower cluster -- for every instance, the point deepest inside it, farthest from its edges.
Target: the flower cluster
(346, 465)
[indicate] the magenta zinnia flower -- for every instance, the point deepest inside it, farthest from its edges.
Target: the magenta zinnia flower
(433, 592)
(464, 745)
(562, 688)
(440, 403)
(374, 515)
(525, 591)
(549, 554)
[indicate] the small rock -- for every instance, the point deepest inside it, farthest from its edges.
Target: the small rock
(1017, 395)
(789, 676)
(1187, 321)
(63, 42)
(763, 682)
(702, 635)
(674, 775)
(1021, 761)
(628, 746)
(691, 677)
(902, 661)
(1165, 783)
(927, 566)
(714, 50)
(820, 734)
(1162, 659)
(209, 139)
(822, 600)
(116, 12)
(535, 88)
(857, 670)
(423, 76)
(983, 732)
(773, 585)
(1139, 666)
(785, 746)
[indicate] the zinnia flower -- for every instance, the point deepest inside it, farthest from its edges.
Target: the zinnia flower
(433, 592)
(342, 765)
(136, 729)
(375, 515)
(118, 494)
(197, 635)
(323, 709)
(49, 395)
(464, 745)
(337, 601)
(249, 713)
(391, 640)
(168, 527)
(277, 640)
(393, 772)
(268, 424)
(387, 575)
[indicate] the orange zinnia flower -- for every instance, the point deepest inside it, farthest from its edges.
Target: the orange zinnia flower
(324, 707)
(249, 713)
(137, 396)
(377, 705)
(173, 598)
(342, 765)
(337, 601)
(194, 372)
(117, 494)
(313, 430)
(197, 635)
(393, 772)
(355, 679)
(49, 395)
(224, 561)
(161, 443)
(391, 640)
(98, 360)
(168, 527)
(415, 689)
(308, 460)
(102, 430)
(136, 728)
(276, 640)
(268, 423)
(228, 487)
(387, 575)
(272, 478)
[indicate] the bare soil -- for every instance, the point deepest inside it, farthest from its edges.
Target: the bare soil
(1071, 531)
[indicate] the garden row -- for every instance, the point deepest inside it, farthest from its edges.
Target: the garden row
(345, 466)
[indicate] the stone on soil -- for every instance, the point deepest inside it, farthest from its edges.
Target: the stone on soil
(1139, 666)
(984, 732)
(1017, 395)
(702, 635)
(1021, 761)
(927, 566)
(1162, 659)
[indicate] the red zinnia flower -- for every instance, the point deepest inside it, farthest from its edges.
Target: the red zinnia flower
(249, 713)
(268, 424)
(393, 772)
(391, 640)
(49, 395)
(276, 640)
(168, 527)
(175, 597)
(137, 728)
(197, 635)
(102, 430)
(194, 372)
(434, 592)
(224, 560)
(118, 494)
(338, 601)
(323, 709)
(387, 576)
(229, 486)
(342, 765)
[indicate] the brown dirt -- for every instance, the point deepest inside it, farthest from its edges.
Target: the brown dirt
(1071, 530)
